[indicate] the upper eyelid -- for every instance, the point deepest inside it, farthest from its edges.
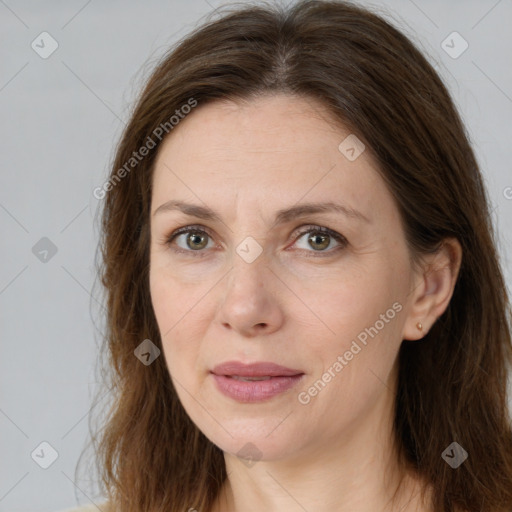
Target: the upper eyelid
(304, 228)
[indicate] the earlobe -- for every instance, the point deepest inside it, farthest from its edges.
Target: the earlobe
(431, 296)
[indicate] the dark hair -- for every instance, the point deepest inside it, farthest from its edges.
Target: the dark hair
(371, 77)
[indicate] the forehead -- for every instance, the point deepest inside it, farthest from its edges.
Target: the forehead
(265, 125)
(276, 147)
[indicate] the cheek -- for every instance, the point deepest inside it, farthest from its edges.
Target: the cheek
(182, 318)
(163, 299)
(173, 300)
(360, 319)
(352, 368)
(170, 314)
(351, 300)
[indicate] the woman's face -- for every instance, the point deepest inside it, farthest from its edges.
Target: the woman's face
(248, 284)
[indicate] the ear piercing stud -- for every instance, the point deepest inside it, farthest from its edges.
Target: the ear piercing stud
(419, 326)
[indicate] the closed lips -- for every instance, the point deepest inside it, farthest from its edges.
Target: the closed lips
(254, 382)
(248, 379)
(254, 371)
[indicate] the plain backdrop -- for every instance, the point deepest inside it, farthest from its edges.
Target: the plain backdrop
(61, 117)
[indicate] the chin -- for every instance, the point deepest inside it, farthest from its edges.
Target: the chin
(253, 439)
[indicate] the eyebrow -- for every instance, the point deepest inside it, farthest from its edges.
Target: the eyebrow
(282, 216)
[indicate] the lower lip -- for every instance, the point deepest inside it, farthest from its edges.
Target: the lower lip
(256, 390)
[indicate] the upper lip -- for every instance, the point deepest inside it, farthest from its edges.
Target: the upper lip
(259, 369)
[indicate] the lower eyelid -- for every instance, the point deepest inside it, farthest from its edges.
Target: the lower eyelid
(172, 238)
(340, 239)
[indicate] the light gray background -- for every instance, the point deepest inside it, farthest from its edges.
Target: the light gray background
(61, 117)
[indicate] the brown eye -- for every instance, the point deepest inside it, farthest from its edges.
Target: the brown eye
(193, 241)
(319, 241)
(190, 240)
(197, 240)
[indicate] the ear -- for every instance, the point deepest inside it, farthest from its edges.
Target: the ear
(433, 288)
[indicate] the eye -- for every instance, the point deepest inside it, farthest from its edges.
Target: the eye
(320, 238)
(193, 239)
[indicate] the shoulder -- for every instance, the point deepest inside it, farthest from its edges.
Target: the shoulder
(92, 507)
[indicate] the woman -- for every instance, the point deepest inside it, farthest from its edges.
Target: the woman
(306, 309)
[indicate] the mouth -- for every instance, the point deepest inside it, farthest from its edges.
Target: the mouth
(254, 382)
(256, 370)
(249, 379)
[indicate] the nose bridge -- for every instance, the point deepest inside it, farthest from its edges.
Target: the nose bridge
(247, 291)
(249, 263)
(248, 299)
(250, 252)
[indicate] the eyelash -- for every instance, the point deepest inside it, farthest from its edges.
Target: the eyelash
(307, 229)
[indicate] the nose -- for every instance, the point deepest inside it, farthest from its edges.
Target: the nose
(250, 302)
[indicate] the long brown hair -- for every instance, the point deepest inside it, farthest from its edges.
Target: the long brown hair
(372, 78)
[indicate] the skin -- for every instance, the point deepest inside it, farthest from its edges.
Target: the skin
(298, 304)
